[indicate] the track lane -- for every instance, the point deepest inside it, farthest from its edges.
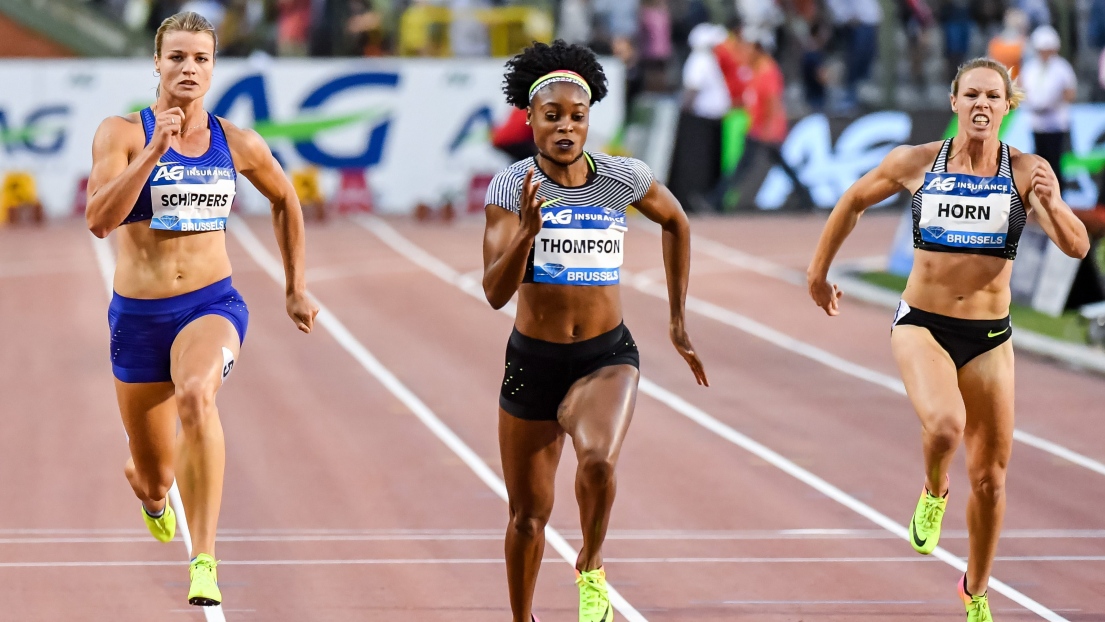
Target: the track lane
(777, 384)
(426, 295)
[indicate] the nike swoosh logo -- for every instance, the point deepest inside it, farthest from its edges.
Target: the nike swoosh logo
(1000, 332)
(913, 532)
(546, 204)
(605, 615)
(160, 163)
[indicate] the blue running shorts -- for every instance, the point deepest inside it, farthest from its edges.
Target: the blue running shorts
(143, 331)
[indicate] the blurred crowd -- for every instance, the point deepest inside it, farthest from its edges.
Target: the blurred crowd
(830, 50)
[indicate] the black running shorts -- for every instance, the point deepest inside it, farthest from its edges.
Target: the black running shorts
(539, 373)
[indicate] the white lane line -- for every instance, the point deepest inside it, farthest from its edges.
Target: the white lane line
(498, 561)
(373, 366)
(105, 259)
(416, 254)
(489, 535)
(801, 348)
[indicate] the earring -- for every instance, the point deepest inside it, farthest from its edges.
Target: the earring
(527, 121)
(156, 73)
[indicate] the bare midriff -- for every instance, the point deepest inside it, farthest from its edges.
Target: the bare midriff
(567, 313)
(157, 264)
(960, 285)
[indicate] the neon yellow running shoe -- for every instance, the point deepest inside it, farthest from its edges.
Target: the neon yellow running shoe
(205, 583)
(924, 529)
(163, 527)
(594, 599)
(978, 607)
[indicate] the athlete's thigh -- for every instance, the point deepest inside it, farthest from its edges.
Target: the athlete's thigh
(149, 417)
(929, 376)
(598, 408)
(987, 384)
(197, 352)
(530, 451)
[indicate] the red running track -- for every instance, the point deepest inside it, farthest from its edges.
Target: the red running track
(340, 504)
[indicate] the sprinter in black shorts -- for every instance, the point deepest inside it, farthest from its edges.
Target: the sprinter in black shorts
(555, 227)
(972, 195)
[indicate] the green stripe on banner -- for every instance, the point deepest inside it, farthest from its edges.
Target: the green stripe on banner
(734, 129)
(1092, 163)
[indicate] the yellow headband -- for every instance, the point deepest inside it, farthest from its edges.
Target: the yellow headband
(561, 75)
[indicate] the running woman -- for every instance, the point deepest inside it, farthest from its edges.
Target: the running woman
(554, 233)
(950, 336)
(164, 179)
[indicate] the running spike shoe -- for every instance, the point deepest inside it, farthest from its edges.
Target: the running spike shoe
(594, 598)
(163, 527)
(978, 607)
(924, 528)
(204, 591)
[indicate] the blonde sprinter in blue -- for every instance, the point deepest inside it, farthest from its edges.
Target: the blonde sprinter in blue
(163, 180)
(972, 195)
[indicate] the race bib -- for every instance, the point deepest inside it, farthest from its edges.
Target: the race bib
(965, 211)
(579, 246)
(191, 198)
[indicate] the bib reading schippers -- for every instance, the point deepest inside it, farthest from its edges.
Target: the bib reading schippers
(965, 211)
(190, 197)
(579, 246)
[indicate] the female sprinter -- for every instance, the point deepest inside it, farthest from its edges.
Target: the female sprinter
(554, 232)
(971, 197)
(165, 178)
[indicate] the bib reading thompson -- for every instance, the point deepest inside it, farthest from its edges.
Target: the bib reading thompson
(582, 228)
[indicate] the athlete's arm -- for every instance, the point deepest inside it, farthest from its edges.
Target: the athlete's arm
(879, 184)
(1053, 214)
(116, 179)
(661, 207)
(507, 240)
(253, 159)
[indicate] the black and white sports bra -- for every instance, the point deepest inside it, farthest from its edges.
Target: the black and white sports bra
(960, 213)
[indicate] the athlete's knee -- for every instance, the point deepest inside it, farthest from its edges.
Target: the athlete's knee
(943, 431)
(529, 521)
(596, 466)
(988, 483)
(195, 399)
(155, 485)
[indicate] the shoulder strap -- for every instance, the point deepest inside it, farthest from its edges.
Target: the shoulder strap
(148, 122)
(1005, 164)
(941, 163)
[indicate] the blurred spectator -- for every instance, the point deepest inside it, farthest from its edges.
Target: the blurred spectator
(624, 50)
(1038, 12)
(763, 99)
(857, 24)
(1099, 93)
(293, 27)
(616, 17)
(364, 29)
(696, 161)
(763, 17)
(655, 38)
(918, 20)
(574, 25)
(815, 75)
(955, 19)
(1095, 28)
(734, 58)
(989, 16)
(1007, 47)
(1050, 85)
(213, 10)
(515, 137)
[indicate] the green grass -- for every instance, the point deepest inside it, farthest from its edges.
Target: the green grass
(1068, 327)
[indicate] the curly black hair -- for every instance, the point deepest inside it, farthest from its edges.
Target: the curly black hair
(540, 58)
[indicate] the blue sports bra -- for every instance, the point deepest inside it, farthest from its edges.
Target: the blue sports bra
(187, 194)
